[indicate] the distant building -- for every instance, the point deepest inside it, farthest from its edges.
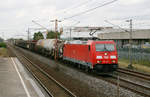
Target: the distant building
(139, 36)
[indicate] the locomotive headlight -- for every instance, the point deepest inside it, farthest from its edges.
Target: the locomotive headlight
(113, 61)
(98, 57)
(99, 61)
(112, 57)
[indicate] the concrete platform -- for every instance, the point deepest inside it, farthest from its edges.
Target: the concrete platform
(15, 81)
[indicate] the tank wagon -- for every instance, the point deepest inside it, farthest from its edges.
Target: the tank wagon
(92, 55)
(48, 47)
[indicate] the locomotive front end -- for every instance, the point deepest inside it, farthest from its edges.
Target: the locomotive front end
(105, 56)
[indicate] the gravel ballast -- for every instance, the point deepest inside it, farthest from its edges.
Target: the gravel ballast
(88, 86)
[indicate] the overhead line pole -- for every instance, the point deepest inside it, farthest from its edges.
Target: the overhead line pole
(130, 46)
(28, 35)
(56, 31)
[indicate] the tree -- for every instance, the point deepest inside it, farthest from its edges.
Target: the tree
(38, 36)
(52, 34)
(1, 39)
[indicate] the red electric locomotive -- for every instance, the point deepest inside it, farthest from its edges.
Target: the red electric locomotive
(97, 55)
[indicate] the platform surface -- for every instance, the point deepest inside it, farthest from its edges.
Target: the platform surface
(15, 81)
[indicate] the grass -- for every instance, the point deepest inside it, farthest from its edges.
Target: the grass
(3, 52)
(137, 66)
(3, 45)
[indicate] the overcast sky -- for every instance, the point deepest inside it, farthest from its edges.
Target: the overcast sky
(17, 15)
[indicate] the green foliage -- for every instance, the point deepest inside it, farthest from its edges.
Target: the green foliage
(1, 40)
(3, 45)
(20, 39)
(52, 34)
(38, 36)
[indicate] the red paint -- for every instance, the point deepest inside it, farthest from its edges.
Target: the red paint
(81, 52)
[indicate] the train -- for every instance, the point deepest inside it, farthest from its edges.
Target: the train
(99, 56)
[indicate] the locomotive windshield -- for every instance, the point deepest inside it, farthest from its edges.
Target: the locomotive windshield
(104, 47)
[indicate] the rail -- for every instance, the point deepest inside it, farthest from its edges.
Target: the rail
(69, 93)
(134, 73)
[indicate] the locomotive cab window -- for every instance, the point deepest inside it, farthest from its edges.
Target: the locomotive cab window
(104, 47)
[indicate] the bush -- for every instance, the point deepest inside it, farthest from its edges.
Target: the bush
(3, 45)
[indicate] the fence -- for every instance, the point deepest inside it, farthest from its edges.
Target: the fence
(138, 55)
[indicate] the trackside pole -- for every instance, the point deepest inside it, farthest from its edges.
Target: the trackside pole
(118, 87)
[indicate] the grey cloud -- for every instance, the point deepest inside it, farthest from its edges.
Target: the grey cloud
(16, 15)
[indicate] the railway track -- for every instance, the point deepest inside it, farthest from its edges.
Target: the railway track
(134, 73)
(130, 85)
(126, 84)
(51, 86)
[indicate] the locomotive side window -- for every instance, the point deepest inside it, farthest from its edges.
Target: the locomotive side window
(99, 47)
(104, 47)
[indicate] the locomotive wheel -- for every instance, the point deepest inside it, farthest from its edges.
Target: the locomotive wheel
(82, 67)
(87, 69)
(79, 66)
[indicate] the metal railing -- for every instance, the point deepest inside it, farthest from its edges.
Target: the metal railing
(138, 55)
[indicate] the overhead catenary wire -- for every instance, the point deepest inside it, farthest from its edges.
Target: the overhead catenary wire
(79, 5)
(72, 7)
(39, 25)
(116, 26)
(78, 14)
(125, 25)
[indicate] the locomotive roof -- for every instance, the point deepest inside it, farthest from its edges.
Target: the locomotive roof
(88, 42)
